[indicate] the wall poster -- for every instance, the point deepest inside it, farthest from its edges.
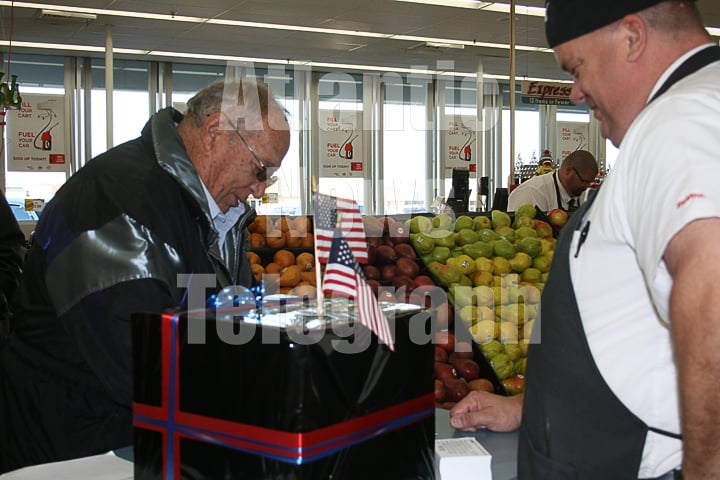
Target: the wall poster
(36, 135)
(460, 145)
(341, 139)
(572, 136)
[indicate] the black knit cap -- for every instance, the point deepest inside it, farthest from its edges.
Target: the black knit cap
(569, 19)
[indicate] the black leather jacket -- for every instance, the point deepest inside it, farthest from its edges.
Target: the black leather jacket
(12, 253)
(112, 242)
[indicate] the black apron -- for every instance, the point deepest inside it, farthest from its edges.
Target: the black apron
(558, 197)
(573, 425)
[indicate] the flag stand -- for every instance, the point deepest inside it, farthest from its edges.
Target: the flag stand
(319, 297)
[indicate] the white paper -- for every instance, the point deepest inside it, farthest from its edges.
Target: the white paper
(462, 458)
(99, 467)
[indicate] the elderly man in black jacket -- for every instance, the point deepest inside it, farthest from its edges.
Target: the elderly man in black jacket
(114, 241)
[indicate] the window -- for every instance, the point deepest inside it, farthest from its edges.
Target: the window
(527, 141)
(404, 155)
(131, 103)
(341, 137)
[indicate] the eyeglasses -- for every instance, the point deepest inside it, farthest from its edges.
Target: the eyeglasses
(265, 174)
(586, 183)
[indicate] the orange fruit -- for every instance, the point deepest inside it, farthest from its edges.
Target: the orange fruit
(254, 258)
(290, 276)
(306, 261)
(308, 241)
(261, 224)
(275, 241)
(257, 271)
(302, 290)
(273, 267)
(282, 224)
(309, 277)
(302, 225)
(284, 258)
(274, 232)
(257, 240)
(292, 241)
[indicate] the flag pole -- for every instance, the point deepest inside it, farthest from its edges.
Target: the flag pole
(319, 298)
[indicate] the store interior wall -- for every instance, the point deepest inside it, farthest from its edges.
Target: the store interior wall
(403, 137)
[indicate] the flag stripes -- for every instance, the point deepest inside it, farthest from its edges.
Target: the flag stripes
(351, 227)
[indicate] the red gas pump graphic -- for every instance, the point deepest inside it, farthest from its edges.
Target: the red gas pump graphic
(43, 139)
(466, 149)
(346, 149)
(46, 141)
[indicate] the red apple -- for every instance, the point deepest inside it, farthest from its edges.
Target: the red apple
(558, 217)
(542, 228)
(424, 280)
(399, 233)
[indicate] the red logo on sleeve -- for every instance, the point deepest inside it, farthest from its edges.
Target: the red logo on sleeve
(688, 198)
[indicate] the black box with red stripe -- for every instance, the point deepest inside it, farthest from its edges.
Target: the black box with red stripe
(257, 401)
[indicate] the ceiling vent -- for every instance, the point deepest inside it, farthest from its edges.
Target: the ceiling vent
(434, 47)
(56, 17)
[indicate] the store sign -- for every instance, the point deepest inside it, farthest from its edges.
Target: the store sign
(341, 139)
(36, 134)
(546, 93)
(572, 136)
(460, 144)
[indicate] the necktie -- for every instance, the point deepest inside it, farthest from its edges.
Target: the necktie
(572, 205)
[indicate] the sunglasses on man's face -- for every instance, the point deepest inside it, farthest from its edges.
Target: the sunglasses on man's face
(265, 174)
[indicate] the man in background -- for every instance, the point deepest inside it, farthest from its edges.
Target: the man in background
(112, 242)
(560, 189)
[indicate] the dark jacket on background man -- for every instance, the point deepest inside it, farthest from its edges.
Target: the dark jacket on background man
(12, 253)
(112, 242)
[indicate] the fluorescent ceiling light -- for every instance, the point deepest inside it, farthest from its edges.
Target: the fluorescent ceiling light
(444, 45)
(489, 6)
(66, 46)
(452, 3)
(45, 12)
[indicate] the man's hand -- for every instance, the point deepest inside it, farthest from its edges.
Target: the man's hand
(487, 410)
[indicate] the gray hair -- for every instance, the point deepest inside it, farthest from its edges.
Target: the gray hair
(238, 99)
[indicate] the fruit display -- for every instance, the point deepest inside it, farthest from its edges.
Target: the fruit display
(458, 370)
(281, 232)
(488, 270)
(395, 272)
(494, 268)
(281, 254)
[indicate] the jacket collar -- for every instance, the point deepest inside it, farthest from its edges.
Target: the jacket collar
(172, 156)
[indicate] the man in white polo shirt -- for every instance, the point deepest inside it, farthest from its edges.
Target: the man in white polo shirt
(624, 383)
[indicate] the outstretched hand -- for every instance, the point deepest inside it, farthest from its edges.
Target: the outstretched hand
(487, 410)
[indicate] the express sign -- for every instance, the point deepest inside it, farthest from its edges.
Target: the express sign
(546, 93)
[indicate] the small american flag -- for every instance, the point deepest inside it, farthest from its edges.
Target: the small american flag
(351, 226)
(344, 276)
